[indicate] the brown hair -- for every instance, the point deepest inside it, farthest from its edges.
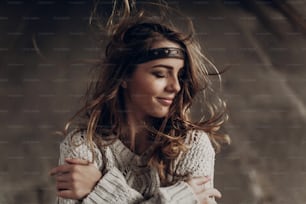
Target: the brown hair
(104, 111)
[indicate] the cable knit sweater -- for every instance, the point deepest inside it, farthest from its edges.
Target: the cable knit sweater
(126, 179)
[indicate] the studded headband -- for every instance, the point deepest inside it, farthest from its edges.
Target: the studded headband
(158, 53)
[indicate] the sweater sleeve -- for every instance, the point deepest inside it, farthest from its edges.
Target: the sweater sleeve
(178, 193)
(75, 146)
(112, 187)
(199, 160)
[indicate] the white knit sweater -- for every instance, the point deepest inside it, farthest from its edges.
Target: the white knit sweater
(127, 180)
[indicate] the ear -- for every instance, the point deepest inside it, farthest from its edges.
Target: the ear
(124, 84)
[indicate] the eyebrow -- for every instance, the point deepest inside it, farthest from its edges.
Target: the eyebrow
(165, 66)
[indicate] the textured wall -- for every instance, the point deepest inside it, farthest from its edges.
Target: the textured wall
(264, 88)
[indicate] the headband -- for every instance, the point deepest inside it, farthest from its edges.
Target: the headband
(158, 53)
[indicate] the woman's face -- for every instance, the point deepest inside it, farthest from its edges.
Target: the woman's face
(152, 87)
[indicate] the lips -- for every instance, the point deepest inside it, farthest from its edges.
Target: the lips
(165, 101)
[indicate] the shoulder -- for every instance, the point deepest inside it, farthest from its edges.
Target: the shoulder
(199, 158)
(199, 139)
(76, 145)
(75, 139)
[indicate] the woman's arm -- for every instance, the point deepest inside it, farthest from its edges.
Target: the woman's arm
(77, 161)
(79, 168)
(112, 187)
(198, 161)
(79, 178)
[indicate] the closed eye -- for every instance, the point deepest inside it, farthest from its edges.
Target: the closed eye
(159, 74)
(163, 71)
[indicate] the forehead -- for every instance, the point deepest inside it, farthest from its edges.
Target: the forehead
(174, 63)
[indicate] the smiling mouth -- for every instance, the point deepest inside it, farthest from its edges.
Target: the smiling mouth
(165, 101)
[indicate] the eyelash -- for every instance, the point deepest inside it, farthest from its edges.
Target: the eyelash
(159, 75)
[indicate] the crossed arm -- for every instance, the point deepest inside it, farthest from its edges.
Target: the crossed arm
(80, 181)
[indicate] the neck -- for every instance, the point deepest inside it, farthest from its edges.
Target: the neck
(135, 128)
(137, 139)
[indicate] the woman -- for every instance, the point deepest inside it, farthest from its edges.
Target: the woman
(138, 143)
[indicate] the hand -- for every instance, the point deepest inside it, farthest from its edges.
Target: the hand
(76, 179)
(204, 195)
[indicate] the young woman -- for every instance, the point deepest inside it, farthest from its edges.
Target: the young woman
(138, 143)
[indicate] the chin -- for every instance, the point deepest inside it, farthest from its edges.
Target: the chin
(160, 114)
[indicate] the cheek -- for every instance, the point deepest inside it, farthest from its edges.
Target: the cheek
(147, 87)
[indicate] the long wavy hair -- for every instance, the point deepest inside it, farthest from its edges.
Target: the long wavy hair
(103, 114)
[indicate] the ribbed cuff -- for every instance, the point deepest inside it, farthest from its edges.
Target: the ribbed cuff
(178, 193)
(110, 189)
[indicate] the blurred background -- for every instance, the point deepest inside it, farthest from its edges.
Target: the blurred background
(262, 42)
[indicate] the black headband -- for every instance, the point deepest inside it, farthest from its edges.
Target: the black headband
(157, 53)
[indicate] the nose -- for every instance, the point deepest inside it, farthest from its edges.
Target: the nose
(173, 85)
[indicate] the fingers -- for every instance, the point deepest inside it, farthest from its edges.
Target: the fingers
(63, 177)
(77, 161)
(76, 178)
(198, 183)
(203, 195)
(202, 180)
(63, 186)
(67, 168)
(65, 194)
(60, 169)
(207, 196)
(212, 192)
